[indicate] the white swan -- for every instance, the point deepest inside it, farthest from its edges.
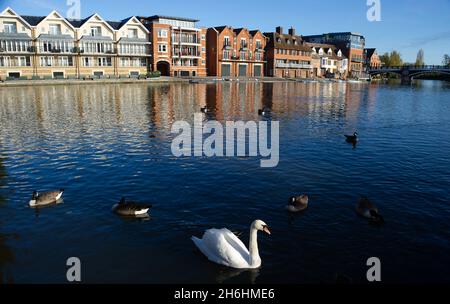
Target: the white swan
(225, 248)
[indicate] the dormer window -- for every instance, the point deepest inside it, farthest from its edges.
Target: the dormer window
(96, 31)
(330, 52)
(132, 33)
(10, 27)
(279, 40)
(288, 42)
(339, 53)
(320, 51)
(55, 29)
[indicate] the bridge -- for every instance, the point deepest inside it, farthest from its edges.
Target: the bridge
(408, 72)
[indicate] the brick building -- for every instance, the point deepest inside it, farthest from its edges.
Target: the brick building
(179, 46)
(287, 55)
(235, 52)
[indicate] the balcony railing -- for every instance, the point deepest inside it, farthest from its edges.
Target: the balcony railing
(294, 65)
(355, 59)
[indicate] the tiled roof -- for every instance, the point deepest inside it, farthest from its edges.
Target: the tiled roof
(286, 42)
(33, 20)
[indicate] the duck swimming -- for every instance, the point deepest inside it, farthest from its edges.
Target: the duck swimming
(352, 139)
(40, 199)
(298, 204)
(367, 209)
(264, 111)
(124, 208)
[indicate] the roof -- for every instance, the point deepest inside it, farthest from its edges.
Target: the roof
(325, 48)
(370, 52)
(238, 30)
(286, 41)
(33, 20)
(79, 22)
(117, 25)
(14, 36)
(334, 34)
(169, 17)
(55, 37)
(221, 28)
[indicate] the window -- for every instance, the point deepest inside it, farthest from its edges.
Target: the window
(10, 27)
(258, 44)
(243, 43)
(46, 61)
(226, 55)
(162, 48)
(96, 31)
(132, 33)
(87, 61)
(55, 29)
(203, 37)
(226, 41)
(243, 55)
(162, 33)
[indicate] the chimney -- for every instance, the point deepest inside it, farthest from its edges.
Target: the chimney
(292, 31)
(280, 30)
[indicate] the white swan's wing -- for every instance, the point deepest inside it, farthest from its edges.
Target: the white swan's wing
(223, 247)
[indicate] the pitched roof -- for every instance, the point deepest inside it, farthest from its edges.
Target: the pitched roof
(221, 28)
(79, 22)
(169, 17)
(33, 20)
(285, 41)
(370, 52)
(238, 30)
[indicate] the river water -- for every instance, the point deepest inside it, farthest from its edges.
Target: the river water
(102, 142)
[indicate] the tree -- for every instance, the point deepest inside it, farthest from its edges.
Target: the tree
(420, 58)
(446, 60)
(393, 58)
(385, 60)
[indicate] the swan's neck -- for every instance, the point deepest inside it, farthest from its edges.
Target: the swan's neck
(255, 260)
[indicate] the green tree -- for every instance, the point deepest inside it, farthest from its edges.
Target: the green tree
(446, 60)
(395, 58)
(385, 59)
(420, 58)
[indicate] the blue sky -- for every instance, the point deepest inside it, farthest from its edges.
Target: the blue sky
(406, 26)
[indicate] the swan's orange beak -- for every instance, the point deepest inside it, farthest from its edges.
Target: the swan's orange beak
(266, 230)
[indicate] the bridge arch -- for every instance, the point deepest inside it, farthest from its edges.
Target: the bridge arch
(413, 75)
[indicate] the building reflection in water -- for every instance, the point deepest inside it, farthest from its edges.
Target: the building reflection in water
(53, 111)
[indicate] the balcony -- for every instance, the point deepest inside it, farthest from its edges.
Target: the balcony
(227, 47)
(359, 60)
(293, 65)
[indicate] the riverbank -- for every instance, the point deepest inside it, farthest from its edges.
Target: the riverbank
(163, 79)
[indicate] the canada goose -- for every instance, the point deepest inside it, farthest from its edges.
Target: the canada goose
(45, 198)
(263, 112)
(352, 138)
(367, 209)
(125, 208)
(299, 203)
